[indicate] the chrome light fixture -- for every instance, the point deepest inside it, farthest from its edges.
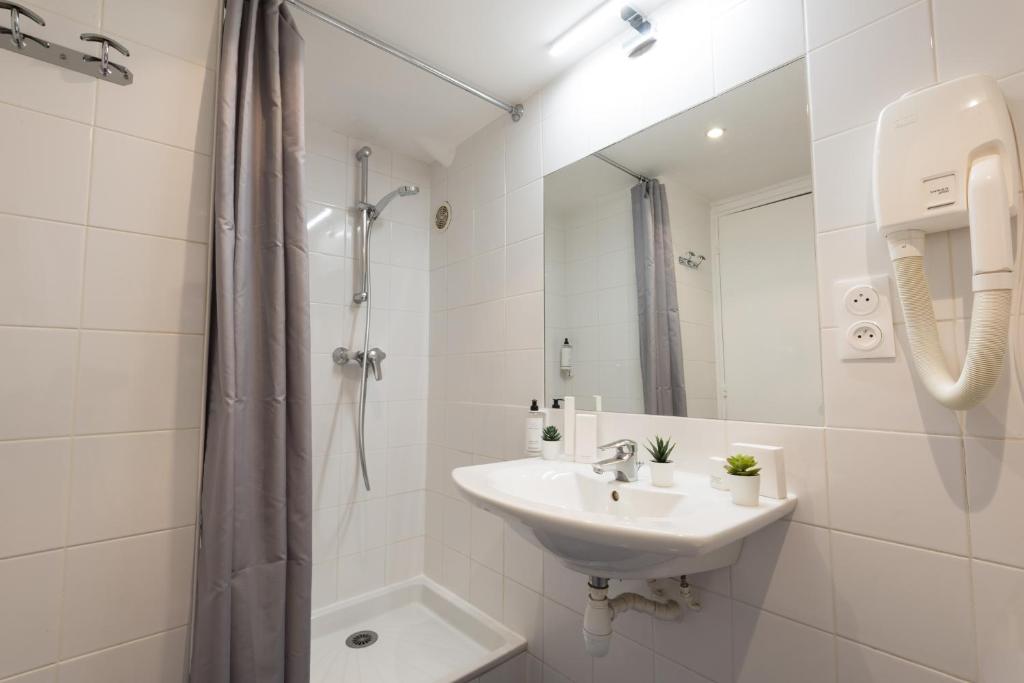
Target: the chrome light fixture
(645, 37)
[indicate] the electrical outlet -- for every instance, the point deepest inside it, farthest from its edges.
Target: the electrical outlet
(862, 313)
(861, 300)
(864, 336)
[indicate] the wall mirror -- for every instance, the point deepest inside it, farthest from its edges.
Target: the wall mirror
(680, 274)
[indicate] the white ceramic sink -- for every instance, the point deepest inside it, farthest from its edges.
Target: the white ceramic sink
(602, 527)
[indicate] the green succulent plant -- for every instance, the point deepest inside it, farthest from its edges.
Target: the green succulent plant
(742, 465)
(551, 433)
(660, 449)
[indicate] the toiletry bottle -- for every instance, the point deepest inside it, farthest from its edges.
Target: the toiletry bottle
(534, 430)
(565, 357)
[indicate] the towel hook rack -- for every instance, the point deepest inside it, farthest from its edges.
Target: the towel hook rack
(31, 46)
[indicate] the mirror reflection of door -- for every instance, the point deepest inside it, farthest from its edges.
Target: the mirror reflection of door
(769, 313)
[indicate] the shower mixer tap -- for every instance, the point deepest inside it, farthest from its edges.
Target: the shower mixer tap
(374, 358)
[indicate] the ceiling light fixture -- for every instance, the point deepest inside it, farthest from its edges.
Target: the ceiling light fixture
(715, 133)
(644, 39)
(585, 27)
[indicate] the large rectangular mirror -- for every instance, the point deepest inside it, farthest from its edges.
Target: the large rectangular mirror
(680, 272)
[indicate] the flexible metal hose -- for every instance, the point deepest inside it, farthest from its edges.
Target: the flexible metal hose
(986, 347)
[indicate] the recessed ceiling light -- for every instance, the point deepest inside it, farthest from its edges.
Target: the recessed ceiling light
(715, 133)
(584, 28)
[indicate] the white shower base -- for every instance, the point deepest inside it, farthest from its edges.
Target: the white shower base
(427, 634)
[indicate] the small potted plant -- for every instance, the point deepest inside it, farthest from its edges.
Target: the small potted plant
(552, 443)
(662, 469)
(744, 479)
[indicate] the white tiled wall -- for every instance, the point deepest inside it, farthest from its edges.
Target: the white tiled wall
(902, 561)
(105, 219)
(363, 540)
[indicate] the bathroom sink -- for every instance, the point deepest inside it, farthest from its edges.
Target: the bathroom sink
(602, 527)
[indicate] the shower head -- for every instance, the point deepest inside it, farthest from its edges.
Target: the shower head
(402, 191)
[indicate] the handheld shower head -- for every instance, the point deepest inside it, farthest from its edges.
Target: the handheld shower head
(402, 191)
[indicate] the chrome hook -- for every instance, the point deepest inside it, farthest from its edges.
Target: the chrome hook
(107, 67)
(17, 37)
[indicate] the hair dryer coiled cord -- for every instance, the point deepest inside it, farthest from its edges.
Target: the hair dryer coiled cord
(986, 347)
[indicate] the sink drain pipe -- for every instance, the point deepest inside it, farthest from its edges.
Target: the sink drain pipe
(600, 611)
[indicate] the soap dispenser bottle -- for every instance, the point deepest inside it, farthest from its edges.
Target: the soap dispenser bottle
(534, 430)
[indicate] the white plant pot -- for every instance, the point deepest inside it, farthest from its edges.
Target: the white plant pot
(745, 490)
(663, 473)
(551, 450)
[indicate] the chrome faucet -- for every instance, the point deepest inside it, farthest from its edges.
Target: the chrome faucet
(625, 463)
(374, 359)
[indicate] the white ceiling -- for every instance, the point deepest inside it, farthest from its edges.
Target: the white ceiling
(495, 45)
(767, 141)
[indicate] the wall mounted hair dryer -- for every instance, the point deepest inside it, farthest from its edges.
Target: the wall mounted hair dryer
(946, 158)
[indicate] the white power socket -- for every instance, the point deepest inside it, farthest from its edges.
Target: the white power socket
(863, 314)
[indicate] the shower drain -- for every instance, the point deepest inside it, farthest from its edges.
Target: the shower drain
(361, 639)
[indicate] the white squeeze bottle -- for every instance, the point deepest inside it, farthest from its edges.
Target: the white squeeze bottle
(534, 429)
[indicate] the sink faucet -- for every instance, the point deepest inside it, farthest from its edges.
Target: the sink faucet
(625, 463)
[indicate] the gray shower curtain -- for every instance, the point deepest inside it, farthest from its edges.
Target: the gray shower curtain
(252, 602)
(661, 344)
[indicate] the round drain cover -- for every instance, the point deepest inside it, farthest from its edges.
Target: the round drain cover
(361, 639)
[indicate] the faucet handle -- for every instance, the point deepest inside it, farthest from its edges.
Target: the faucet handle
(624, 448)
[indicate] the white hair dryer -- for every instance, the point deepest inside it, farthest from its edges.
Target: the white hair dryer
(946, 158)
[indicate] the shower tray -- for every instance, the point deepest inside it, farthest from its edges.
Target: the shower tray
(409, 632)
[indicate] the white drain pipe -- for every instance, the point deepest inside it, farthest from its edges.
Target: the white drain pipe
(600, 611)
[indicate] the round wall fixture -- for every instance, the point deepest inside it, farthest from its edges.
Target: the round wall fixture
(443, 216)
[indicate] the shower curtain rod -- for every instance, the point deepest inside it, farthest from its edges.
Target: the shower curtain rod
(514, 110)
(612, 162)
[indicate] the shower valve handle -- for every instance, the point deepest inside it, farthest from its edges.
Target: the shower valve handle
(375, 357)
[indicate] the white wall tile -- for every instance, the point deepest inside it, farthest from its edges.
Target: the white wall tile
(786, 569)
(38, 368)
(524, 562)
(455, 575)
(133, 483)
(404, 559)
(860, 664)
(667, 671)
(999, 610)
(563, 643)
(883, 590)
(35, 186)
(157, 659)
(854, 77)
(485, 589)
(523, 154)
(85, 11)
(827, 20)
(961, 29)
(995, 489)
(526, 212)
(525, 269)
(524, 321)
(185, 29)
(770, 649)
(109, 596)
(702, 641)
(523, 612)
(842, 179)
(876, 465)
(169, 294)
(170, 101)
(46, 675)
(755, 36)
(33, 495)
(30, 591)
(626, 660)
(40, 272)
(143, 186)
(134, 382)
